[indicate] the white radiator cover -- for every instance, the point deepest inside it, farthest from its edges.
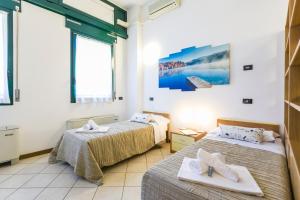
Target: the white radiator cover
(77, 123)
(9, 143)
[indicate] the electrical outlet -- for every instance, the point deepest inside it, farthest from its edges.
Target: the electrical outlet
(247, 101)
(248, 67)
(151, 99)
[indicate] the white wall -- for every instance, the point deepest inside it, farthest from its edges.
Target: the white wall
(134, 63)
(45, 82)
(254, 28)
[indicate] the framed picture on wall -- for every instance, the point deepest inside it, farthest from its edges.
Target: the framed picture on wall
(194, 68)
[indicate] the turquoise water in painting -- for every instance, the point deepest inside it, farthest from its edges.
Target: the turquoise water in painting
(177, 78)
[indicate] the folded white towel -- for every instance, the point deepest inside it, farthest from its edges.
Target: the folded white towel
(201, 166)
(219, 166)
(92, 127)
(86, 127)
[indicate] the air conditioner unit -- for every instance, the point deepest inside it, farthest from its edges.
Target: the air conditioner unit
(160, 7)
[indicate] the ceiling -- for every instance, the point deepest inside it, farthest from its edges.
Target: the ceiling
(128, 3)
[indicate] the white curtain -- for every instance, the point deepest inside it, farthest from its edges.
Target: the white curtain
(4, 93)
(93, 71)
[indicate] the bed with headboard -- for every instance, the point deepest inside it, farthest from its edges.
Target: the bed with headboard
(89, 152)
(266, 163)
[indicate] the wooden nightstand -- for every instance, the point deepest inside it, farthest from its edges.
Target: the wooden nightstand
(179, 140)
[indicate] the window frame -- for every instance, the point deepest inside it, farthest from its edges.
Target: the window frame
(10, 53)
(73, 64)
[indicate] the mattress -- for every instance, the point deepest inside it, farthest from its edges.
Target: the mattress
(89, 152)
(269, 170)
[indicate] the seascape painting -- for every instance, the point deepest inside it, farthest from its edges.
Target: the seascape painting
(194, 68)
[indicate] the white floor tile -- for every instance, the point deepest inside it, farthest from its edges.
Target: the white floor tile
(64, 180)
(109, 193)
(33, 169)
(12, 169)
(154, 152)
(133, 179)
(137, 166)
(4, 193)
(81, 194)
(68, 170)
(53, 194)
(43, 159)
(154, 158)
(15, 181)
(25, 194)
(54, 168)
(114, 179)
(82, 183)
(139, 158)
(131, 193)
(4, 177)
(120, 167)
(40, 180)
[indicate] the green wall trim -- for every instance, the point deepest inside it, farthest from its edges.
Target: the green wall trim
(73, 67)
(58, 7)
(10, 60)
(89, 31)
(10, 4)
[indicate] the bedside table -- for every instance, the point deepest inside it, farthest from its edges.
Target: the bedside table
(179, 140)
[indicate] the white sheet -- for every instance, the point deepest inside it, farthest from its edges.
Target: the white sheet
(160, 125)
(275, 147)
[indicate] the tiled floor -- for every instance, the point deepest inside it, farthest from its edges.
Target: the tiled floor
(34, 178)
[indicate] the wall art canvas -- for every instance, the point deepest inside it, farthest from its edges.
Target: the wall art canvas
(193, 68)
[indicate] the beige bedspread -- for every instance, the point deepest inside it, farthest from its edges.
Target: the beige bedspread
(268, 169)
(88, 153)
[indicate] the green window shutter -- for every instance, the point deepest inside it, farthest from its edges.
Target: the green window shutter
(90, 31)
(10, 59)
(10, 4)
(60, 8)
(73, 67)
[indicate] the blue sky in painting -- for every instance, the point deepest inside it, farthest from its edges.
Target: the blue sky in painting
(191, 53)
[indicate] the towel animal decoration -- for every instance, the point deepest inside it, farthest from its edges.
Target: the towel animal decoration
(217, 161)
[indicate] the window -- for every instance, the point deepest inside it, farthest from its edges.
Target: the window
(92, 70)
(6, 58)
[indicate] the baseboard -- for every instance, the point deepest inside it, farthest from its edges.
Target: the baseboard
(37, 153)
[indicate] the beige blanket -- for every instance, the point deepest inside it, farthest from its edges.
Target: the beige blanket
(268, 169)
(89, 152)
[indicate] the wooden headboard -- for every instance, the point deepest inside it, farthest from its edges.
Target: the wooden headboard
(166, 115)
(266, 126)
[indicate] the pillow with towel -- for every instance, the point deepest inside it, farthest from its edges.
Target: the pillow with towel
(270, 136)
(253, 135)
(141, 118)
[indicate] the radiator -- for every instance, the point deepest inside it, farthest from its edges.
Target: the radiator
(9, 143)
(77, 123)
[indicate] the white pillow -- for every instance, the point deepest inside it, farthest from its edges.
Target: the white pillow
(141, 118)
(270, 136)
(253, 135)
